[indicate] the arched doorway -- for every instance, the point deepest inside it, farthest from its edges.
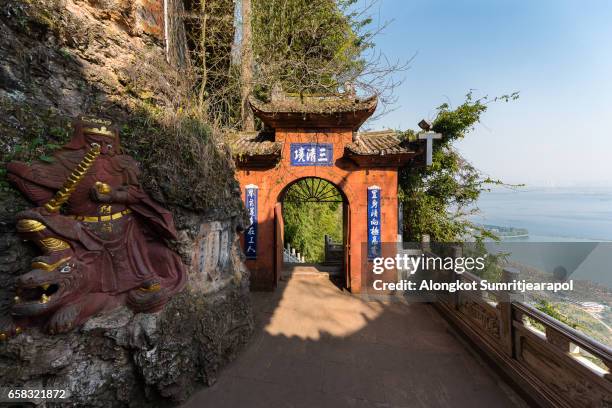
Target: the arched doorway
(312, 228)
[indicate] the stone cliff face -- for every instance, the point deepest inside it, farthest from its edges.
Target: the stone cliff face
(60, 59)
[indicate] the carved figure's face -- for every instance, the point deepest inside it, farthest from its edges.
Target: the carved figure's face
(107, 145)
(47, 287)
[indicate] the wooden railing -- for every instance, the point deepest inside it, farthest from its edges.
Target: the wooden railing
(551, 364)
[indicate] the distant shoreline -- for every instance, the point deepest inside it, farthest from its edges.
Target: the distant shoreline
(506, 232)
(547, 214)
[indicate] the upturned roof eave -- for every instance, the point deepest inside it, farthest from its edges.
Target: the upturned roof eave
(314, 115)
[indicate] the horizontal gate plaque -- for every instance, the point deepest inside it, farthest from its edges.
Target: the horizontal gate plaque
(312, 154)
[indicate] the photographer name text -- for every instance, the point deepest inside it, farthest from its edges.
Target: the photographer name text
(514, 286)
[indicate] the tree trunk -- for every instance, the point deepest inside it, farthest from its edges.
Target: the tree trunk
(204, 70)
(174, 33)
(248, 123)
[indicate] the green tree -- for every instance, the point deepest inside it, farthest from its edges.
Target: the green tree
(306, 225)
(320, 47)
(438, 200)
(307, 45)
(209, 37)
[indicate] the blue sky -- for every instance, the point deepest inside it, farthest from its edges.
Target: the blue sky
(557, 53)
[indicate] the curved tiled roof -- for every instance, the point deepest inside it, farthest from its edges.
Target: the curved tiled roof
(340, 111)
(379, 143)
(255, 144)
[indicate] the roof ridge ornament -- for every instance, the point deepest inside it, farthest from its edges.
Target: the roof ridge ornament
(277, 94)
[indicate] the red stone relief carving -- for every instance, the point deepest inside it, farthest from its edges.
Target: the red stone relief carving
(102, 237)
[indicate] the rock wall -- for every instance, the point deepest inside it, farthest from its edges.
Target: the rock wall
(124, 359)
(63, 58)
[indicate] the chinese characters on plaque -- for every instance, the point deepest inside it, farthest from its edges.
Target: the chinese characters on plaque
(312, 154)
(374, 245)
(250, 238)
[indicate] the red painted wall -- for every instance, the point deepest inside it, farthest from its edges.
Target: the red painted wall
(350, 179)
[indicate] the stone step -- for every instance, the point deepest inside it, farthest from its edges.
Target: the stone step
(310, 270)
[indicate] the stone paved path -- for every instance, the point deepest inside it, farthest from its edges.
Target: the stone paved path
(317, 346)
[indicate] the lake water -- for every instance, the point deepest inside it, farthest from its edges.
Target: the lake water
(556, 215)
(551, 214)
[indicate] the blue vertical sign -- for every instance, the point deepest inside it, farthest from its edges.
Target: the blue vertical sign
(312, 154)
(374, 227)
(250, 241)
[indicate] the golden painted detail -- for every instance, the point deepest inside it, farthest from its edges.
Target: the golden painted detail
(91, 119)
(2, 336)
(47, 267)
(102, 130)
(17, 330)
(103, 188)
(75, 178)
(24, 225)
(102, 218)
(105, 209)
(44, 298)
(54, 244)
(153, 288)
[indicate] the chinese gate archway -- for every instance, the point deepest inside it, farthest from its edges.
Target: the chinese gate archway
(318, 137)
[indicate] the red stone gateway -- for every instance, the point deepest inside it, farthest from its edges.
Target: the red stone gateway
(317, 136)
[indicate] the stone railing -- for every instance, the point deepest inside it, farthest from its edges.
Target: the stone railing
(334, 252)
(551, 364)
(290, 255)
